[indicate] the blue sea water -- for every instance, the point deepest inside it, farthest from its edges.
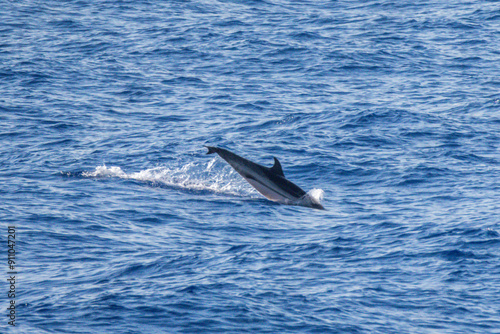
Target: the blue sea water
(124, 225)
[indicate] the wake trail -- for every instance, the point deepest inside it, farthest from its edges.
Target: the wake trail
(221, 179)
(192, 176)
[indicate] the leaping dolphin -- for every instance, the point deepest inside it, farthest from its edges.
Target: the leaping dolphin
(270, 182)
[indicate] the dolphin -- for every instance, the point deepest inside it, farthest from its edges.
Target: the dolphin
(270, 182)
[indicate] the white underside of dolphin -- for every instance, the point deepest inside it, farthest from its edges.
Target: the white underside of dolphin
(270, 182)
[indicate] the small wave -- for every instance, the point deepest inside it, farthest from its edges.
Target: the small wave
(199, 177)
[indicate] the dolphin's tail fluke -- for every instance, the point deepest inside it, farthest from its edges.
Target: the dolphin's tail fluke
(211, 149)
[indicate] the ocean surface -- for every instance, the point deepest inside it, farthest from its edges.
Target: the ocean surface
(124, 225)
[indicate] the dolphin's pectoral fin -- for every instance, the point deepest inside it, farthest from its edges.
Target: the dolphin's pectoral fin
(277, 168)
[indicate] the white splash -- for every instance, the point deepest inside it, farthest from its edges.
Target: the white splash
(190, 176)
(316, 194)
(312, 198)
(103, 171)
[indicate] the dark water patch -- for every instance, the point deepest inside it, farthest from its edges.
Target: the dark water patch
(458, 255)
(183, 80)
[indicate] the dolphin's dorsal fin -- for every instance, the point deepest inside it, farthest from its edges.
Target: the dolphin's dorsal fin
(277, 168)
